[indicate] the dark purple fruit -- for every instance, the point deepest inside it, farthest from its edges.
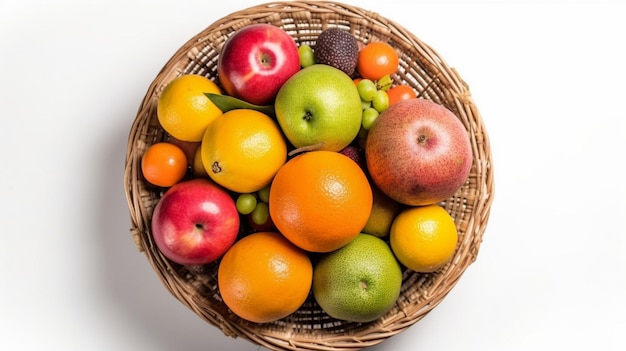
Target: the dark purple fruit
(338, 48)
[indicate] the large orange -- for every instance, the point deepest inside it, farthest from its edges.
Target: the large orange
(263, 277)
(320, 200)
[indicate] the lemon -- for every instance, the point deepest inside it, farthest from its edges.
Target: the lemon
(423, 238)
(242, 150)
(183, 109)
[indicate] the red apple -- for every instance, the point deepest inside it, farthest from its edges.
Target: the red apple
(195, 222)
(255, 62)
(418, 152)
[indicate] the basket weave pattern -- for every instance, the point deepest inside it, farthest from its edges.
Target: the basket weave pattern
(310, 328)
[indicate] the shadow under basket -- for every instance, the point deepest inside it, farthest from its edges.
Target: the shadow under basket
(310, 328)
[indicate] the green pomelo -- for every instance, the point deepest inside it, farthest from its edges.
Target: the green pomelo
(359, 282)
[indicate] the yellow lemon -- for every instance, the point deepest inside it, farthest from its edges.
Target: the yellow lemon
(183, 109)
(243, 149)
(423, 238)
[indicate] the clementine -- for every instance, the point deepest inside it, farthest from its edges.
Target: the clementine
(164, 164)
(400, 92)
(376, 60)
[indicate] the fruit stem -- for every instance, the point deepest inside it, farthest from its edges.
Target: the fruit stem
(307, 116)
(305, 148)
(215, 167)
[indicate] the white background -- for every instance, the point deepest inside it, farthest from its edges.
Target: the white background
(547, 76)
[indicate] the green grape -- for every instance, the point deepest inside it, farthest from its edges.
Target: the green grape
(367, 89)
(369, 117)
(307, 57)
(261, 213)
(381, 101)
(365, 104)
(246, 203)
(264, 194)
(384, 83)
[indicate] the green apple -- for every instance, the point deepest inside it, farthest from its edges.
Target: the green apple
(319, 107)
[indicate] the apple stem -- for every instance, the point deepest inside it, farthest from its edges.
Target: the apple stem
(305, 148)
(421, 139)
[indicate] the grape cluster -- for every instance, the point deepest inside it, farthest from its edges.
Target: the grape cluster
(374, 98)
(255, 205)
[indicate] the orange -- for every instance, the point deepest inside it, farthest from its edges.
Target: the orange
(183, 109)
(376, 60)
(243, 149)
(423, 238)
(263, 277)
(320, 200)
(399, 93)
(164, 164)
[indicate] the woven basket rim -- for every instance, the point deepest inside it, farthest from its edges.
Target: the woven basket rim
(422, 68)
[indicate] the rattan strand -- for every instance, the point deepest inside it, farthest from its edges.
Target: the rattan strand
(310, 328)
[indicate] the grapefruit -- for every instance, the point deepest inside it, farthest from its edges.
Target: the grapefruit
(359, 282)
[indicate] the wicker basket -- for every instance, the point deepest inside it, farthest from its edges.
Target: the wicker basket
(310, 328)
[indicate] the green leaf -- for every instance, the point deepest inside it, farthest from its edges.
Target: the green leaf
(226, 103)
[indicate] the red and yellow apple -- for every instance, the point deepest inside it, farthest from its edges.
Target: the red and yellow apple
(418, 152)
(255, 62)
(195, 222)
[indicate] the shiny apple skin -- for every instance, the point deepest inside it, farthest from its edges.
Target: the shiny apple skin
(195, 222)
(255, 62)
